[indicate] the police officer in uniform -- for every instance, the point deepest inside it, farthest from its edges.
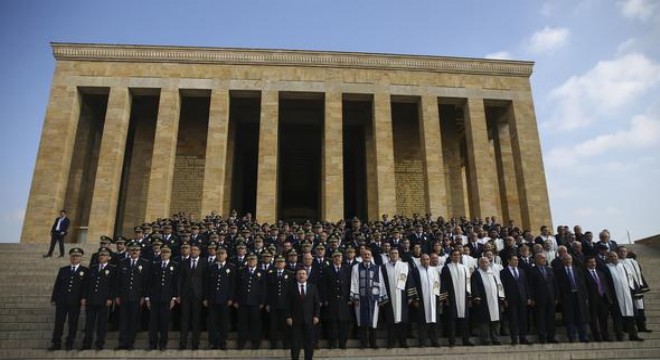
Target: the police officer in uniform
(278, 281)
(132, 288)
(250, 298)
(221, 283)
(337, 283)
(163, 294)
(98, 299)
(67, 297)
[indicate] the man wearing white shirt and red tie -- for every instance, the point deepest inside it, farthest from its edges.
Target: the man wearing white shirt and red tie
(57, 233)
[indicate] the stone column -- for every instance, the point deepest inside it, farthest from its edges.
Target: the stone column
(267, 161)
(103, 211)
(384, 151)
(528, 162)
(434, 167)
(51, 171)
(454, 168)
(482, 174)
(333, 160)
(159, 194)
(213, 192)
(506, 172)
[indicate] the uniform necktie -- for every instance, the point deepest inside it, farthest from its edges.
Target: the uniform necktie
(194, 264)
(133, 263)
(164, 265)
(543, 271)
(101, 268)
(302, 292)
(279, 274)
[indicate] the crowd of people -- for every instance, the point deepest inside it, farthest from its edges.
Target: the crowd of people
(295, 283)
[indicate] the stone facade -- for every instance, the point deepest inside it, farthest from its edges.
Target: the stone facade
(460, 166)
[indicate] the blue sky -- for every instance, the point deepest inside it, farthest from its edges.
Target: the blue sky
(596, 81)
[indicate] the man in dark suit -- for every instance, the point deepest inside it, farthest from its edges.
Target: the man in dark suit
(98, 299)
(57, 233)
(249, 300)
(278, 283)
(302, 314)
(337, 300)
(543, 292)
(573, 299)
(193, 293)
(132, 288)
(68, 292)
(163, 294)
(600, 300)
(516, 293)
(221, 284)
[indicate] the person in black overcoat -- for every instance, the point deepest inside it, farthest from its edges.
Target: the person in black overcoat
(600, 300)
(68, 292)
(193, 293)
(337, 301)
(163, 295)
(98, 299)
(516, 294)
(543, 292)
(250, 299)
(278, 282)
(132, 287)
(302, 315)
(221, 287)
(573, 299)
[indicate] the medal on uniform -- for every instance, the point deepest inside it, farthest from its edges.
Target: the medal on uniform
(82, 273)
(171, 268)
(107, 272)
(228, 271)
(140, 268)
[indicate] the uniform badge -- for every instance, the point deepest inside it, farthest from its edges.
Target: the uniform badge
(286, 276)
(436, 285)
(82, 273)
(107, 272)
(402, 277)
(140, 268)
(228, 271)
(171, 268)
(258, 274)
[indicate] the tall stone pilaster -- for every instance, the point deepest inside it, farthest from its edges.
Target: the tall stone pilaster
(481, 170)
(384, 151)
(434, 165)
(528, 162)
(333, 159)
(159, 194)
(267, 158)
(105, 197)
(213, 192)
(51, 170)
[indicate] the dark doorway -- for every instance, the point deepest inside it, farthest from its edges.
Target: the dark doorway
(244, 112)
(299, 158)
(356, 116)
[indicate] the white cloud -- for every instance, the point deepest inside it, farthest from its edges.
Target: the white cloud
(502, 55)
(638, 9)
(548, 40)
(607, 87)
(626, 46)
(643, 133)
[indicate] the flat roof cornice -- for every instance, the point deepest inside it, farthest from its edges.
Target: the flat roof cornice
(235, 56)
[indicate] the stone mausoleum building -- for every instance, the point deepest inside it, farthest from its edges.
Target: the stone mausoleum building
(135, 133)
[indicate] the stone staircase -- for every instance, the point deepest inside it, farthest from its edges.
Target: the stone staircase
(26, 323)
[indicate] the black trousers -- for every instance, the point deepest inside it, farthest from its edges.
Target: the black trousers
(191, 320)
(488, 332)
(367, 336)
(600, 310)
(397, 332)
(427, 330)
(302, 336)
(249, 325)
(218, 325)
(517, 316)
(159, 324)
(56, 237)
(279, 330)
(96, 320)
(129, 323)
(622, 323)
(544, 314)
(460, 324)
(574, 320)
(62, 313)
(337, 332)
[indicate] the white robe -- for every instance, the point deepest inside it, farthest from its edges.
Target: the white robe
(460, 278)
(429, 279)
(397, 276)
(496, 268)
(632, 267)
(622, 281)
(494, 291)
(355, 294)
(469, 262)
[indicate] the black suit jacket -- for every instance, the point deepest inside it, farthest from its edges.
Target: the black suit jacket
(63, 228)
(70, 286)
(515, 291)
(192, 282)
(164, 282)
(475, 252)
(337, 292)
(277, 288)
(133, 282)
(101, 286)
(250, 289)
(221, 283)
(566, 295)
(303, 311)
(605, 279)
(542, 289)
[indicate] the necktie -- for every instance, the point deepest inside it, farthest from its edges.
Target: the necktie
(600, 287)
(164, 265)
(101, 269)
(337, 269)
(543, 271)
(302, 292)
(515, 273)
(279, 274)
(194, 264)
(133, 263)
(571, 279)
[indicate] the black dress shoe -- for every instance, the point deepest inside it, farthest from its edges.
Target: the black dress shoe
(496, 342)
(637, 338)
(468, 343)
(149, 348)
(525, 341)
(162, 348)
(68, 347)
(85, 347)
(60, 256)
(553, 341)
(46, 256)
(646, 330)
(435, 344)
(55, 347)
(120, 348)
